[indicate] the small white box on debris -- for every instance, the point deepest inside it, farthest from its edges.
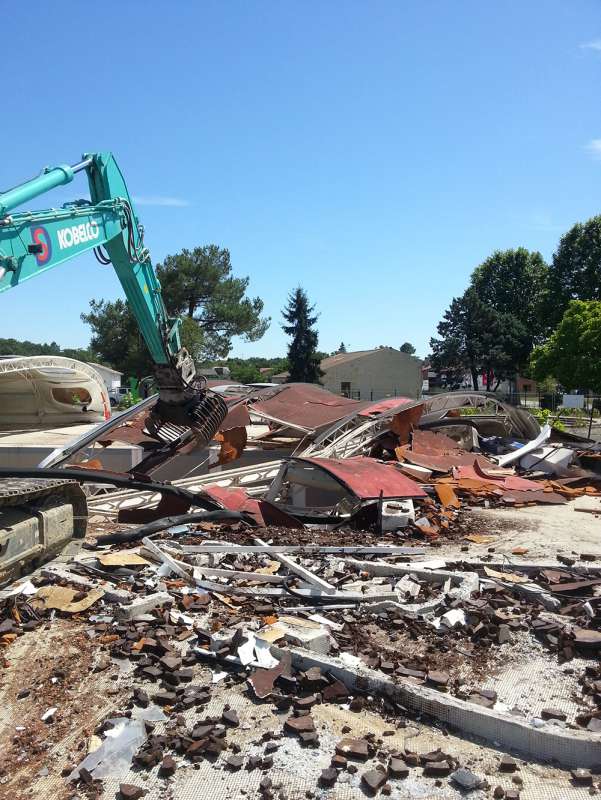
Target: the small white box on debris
(397, 514)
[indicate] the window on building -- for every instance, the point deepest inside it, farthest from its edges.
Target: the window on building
(345, 388)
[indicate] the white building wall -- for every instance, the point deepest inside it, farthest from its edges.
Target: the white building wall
(111, 378)
(376, 375)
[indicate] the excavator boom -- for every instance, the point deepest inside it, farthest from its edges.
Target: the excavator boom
(32, 242)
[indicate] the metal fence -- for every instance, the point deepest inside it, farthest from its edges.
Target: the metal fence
(549, 400)
(372, 394)
(554, 401)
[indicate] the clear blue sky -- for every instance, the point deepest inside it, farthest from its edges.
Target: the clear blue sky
(374, 152)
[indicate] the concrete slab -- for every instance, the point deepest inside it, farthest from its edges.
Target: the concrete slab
(28, 448)
(544, 530)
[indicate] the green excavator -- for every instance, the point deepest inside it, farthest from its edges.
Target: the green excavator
(37, 517)
(32, 242)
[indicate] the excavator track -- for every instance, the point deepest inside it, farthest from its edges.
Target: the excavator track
(20, 491)
(38, 517)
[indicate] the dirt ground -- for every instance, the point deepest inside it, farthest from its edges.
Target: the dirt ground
(59, 665)
(546, 531)
(33, 761)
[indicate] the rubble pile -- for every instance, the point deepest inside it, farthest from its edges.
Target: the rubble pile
(322, 588)
(240, 605)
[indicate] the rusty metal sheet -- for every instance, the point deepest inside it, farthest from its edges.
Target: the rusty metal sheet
(435, 443)
(264, 512)
(404, 422)
(233, 442)
(262, 680)
(131, 431)
(237, 415)
(575, 586)
(436, 463)
(381, 406)
(306, 407)
(507, 482)
(541, 497)
(233, 498)
(447, 496)
(367, 478)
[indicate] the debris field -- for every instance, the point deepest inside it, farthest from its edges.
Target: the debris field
(343, 621)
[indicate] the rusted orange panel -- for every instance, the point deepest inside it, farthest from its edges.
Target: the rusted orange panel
(447, 496)
(368, 478)
(403, 423)
(233, 442)
(434, 443)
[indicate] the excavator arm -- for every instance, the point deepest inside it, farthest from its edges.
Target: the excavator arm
(32, 242)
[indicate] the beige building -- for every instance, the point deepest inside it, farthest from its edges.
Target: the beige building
(370, 374)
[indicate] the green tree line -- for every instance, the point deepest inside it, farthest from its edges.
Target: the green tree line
(522, 315)
(15, 347)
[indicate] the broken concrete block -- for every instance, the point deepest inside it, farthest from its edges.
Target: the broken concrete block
(508, 764)
(299, 724)
(582, 777)
(305, 702)
(438, 678)
(397, 768)
(230, 717)
(328, 777)
(170, 662)
(396, 514)
(466, 779)
(504, 634)
(437, 769)
(313, 678)
(373, 780)
(202, 731)
(337, 691)
(168, 766)
(553, 713)
(353, 748)
(130, 792)
(140, 697)
(142, 605)
(165, 698)
(316, 638)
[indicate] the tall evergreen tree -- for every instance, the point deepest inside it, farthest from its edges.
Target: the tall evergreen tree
(342, 348)
(303, 359)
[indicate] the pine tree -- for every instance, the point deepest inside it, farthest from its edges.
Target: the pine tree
(303, 359)
(342, 348)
